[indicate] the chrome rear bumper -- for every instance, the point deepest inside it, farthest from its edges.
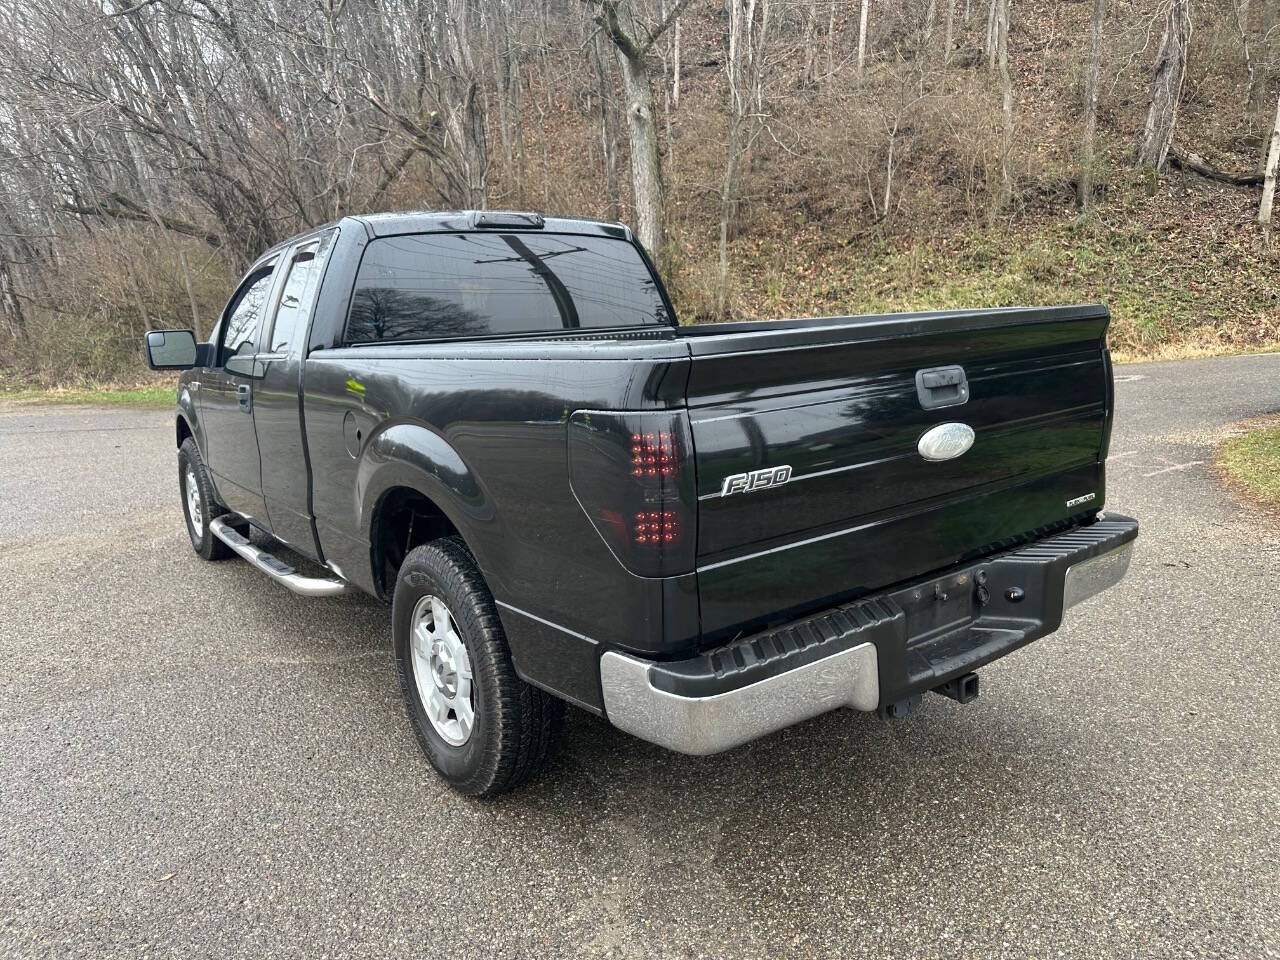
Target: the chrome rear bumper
(1085, 579)
(869, 654)
(703, 725)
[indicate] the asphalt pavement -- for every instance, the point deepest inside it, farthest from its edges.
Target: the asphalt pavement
(194, 762)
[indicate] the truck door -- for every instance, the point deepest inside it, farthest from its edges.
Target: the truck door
(226, 406)
(277, 405)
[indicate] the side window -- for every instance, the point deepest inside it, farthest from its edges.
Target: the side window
(295, 301)
(241, 319)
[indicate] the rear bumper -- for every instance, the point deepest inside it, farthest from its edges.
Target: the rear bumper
(869, 654)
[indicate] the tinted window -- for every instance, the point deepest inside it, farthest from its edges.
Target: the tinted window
(434, 286)
(243, 314)
(296, 299)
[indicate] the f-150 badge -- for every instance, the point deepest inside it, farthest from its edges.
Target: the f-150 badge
(755, 480)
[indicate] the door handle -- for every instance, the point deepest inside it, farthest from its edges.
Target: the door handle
(942, 387)
(245, 395)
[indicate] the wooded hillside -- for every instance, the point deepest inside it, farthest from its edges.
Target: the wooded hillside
(780, 157)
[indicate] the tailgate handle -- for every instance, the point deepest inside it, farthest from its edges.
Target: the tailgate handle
(942, 387)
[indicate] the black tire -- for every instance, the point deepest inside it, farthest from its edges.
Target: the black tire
(516, 725)
(202, 541)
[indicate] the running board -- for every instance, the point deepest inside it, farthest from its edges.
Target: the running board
(273, 566)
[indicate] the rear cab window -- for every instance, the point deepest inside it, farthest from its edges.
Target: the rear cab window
(442, 286)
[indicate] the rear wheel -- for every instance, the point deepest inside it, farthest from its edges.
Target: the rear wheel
(199, 505)
(483, 728)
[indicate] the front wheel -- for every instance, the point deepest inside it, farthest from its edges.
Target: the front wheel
(199, 506)
(483, 728)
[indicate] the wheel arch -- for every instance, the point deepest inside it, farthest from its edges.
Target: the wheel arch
(184, 429)
(415, 487)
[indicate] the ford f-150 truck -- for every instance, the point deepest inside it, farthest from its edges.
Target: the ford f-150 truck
(702, 533)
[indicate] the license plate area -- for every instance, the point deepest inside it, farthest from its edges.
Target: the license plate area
(939, 606)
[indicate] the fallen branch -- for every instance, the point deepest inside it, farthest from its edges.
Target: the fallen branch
(1194, 163)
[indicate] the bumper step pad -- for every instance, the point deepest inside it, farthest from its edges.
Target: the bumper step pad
(767, 654)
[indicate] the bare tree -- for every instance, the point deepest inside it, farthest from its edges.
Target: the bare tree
(1092, 73)
(1167, 78)
(738, 99)
(10, 305)
(464, 113)
(675, 64)
(1005, 191)
(1241, 9)
(608, 130)
(1264, 59)
(149, 149)
(745, 69)
(633, 42)
(991, 46)
(811, 44)
(1269, 183)
(862, 37)
(948, 39)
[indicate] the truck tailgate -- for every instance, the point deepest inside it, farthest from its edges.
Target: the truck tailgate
(838, 402)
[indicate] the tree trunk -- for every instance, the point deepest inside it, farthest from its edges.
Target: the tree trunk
(1006, 88)
(992, 41)
(619, 22)
(862, 38)
(608, 133)
(737, 110)
(646, 170)
(10, 304)
(811, 44)
(1091, 105)
(1166, 88)
(1250, 65)
(675, 65)
(1269, 184)
(948, 38)
(831, 44)
(465, 119)
(1265, 59)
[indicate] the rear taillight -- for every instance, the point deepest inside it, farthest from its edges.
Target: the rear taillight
(633, 475)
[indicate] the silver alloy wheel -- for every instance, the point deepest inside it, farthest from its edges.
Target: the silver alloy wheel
(193, 501)
(442, 670)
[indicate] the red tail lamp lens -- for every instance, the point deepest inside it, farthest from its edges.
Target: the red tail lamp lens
(653, 455)
(633, 475)
(656, 527)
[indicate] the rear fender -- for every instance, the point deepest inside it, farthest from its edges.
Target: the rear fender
(410, 455)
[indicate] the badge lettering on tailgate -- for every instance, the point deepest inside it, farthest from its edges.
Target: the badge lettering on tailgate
(755, 480)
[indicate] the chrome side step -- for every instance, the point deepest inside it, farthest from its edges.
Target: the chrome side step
(273, 566)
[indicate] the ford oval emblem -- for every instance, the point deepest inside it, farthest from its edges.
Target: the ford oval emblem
(946, 441)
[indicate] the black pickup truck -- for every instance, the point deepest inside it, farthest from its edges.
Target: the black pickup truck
(703, 533)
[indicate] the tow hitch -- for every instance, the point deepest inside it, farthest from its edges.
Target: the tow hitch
(963, 689)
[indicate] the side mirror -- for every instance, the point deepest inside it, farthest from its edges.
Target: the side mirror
(170, 349)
